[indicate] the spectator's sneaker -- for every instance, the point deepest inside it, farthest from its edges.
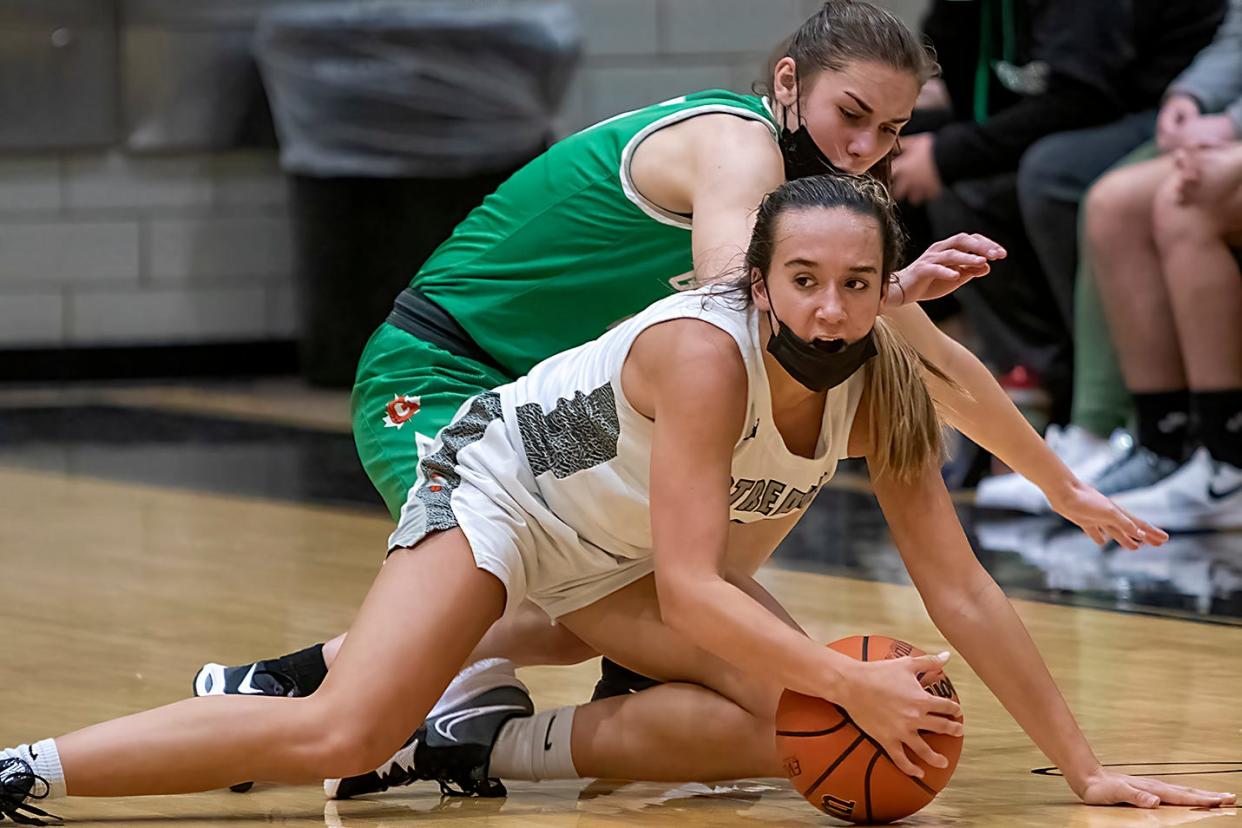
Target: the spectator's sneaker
(1202, 494)
(1139, 468)
(1085, 454)
(19, 785)
(453, 747)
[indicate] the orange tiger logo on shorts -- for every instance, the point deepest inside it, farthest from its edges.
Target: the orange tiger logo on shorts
(400, 409)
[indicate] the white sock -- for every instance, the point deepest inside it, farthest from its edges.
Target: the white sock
(44, 761)
(535, 747)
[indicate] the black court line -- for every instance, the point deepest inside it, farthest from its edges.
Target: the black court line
(1234, 767)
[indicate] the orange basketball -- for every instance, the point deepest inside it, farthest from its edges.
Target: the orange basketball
(838, 768)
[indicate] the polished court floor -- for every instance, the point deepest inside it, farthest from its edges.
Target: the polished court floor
(144, 530)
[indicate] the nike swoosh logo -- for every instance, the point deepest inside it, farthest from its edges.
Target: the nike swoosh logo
(1215, 495)
(547, 737)
(446, 723)
(1172, 422)
(246, 687)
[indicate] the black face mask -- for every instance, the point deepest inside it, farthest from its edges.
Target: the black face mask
(802, 155)
(818, 366)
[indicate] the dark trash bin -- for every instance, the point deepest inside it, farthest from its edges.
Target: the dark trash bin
(395, 119)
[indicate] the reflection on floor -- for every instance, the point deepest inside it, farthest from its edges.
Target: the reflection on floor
(167, 438)
(189, 451)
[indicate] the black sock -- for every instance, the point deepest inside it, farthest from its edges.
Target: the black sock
(306, 667)
(1218, 419)
(1164, 423)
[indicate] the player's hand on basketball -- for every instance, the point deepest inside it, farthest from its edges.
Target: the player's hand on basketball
(1107, 788)
(1102, 519)
(943, 268)
(887, 701)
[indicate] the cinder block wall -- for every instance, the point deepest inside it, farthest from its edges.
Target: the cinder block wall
(104, 248)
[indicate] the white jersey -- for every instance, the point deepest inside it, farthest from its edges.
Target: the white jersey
(558, 463)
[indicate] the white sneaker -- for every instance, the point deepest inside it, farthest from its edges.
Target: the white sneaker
(1085, 454)
(1138, 468)
(1202, 494)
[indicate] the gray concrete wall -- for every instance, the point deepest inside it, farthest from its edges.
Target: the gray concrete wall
(101, 247)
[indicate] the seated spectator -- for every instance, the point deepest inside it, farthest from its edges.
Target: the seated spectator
(1201, 107)
(1015, 73)
(1172, 292)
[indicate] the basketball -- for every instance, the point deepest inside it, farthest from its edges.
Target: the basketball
(838, 768)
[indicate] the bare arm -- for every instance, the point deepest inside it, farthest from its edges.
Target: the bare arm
(976, 617)
(717, 168)
(737, 164)
(751, 544)
(983, 412)
(698, 405)
(698, 402)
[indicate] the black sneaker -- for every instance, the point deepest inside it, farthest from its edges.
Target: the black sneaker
(262, 678)
(615, 680)
(295, 674)
(453, 748)
(18, 786)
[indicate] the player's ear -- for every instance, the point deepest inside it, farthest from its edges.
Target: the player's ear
(759, 290)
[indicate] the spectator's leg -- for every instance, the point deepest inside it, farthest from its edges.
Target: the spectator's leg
(1122, 251)
(1101, 401)
(1205, 285)
(1053, 177)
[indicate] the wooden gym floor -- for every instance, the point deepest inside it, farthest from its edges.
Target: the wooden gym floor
(145, 530)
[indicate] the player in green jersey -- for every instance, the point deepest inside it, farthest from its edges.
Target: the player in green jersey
(626, 211)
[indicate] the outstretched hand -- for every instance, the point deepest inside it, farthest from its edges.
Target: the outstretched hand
(1103, 519)
(943, 268)
(1107, 788)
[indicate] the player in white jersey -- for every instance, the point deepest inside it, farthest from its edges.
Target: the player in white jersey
(627, 457)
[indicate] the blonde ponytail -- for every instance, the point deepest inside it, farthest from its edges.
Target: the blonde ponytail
(906, 432)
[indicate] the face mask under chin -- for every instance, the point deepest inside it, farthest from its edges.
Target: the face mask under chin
(803, 157)
(816, 366)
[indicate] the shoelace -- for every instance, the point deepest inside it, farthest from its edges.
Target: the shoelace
(16, 788)
(458, 783)
(451, 784)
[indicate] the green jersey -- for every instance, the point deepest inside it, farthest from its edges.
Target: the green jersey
(568, 246)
